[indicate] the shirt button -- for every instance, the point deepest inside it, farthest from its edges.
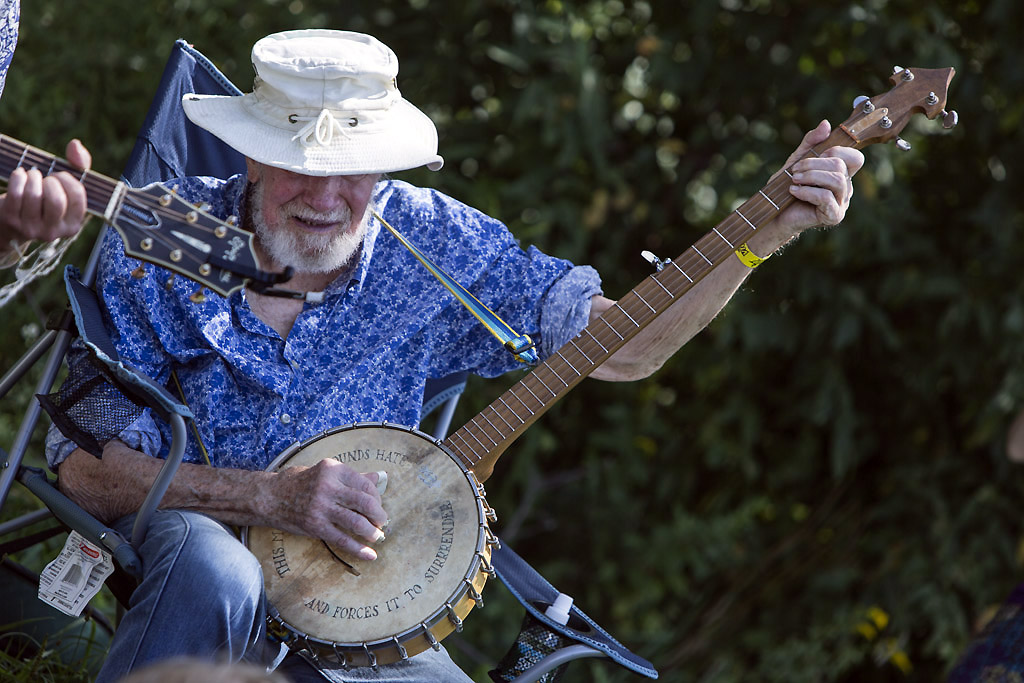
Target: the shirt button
(286, 418)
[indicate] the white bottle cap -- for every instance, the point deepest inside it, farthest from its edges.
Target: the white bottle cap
(559, 612)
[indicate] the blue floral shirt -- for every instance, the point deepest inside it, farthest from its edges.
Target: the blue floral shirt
(363, 354)
(10, 13)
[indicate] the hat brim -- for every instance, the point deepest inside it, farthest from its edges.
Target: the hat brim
(398, 139)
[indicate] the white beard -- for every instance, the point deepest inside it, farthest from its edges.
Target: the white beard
(306, 252)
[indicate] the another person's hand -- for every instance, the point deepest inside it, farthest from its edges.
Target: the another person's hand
(823, 184)
(43, 208)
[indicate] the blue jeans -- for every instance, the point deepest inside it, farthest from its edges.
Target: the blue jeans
(201, 595)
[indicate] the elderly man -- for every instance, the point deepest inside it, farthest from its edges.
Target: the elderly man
(323, 125)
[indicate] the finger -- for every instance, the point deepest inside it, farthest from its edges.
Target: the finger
(54, 211)
(31, 209)
(78, 155)
(852, 158)
(351, 533)
(76, 203)
(16, 190)
(354, 524)
(834, 180)
(830, 164)
(813, 137)
(367, 505)
(827, 207)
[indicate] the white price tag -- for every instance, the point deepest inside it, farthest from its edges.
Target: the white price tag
(75, 576)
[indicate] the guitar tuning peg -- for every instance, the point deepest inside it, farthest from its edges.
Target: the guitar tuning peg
(139, 272)
(197, 297)
(903, 144)
(169, 283)
(949, 119)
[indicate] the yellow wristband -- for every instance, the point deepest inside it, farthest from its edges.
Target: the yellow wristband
(749, 259)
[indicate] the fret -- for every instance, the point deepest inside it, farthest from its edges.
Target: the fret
(496, 430)
(683, 272)
(576, 346)
(591, 335)
(544, 384)
(658, 282)
(551, 369)
(500, 417)
(467, 431)
(472, 423)
(623, 311)
(509, 408)
(731, 246)
(776, 206)
(469, 459)
(526, 386)
(457, 435)
(566, 361)
(752, 226)
(653, 310)
(528, 409)
(607, 324)
(694, 247)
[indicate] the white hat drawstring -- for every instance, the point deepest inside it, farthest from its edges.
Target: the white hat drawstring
(319, 129)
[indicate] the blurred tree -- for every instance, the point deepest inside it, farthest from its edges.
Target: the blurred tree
(814, 489)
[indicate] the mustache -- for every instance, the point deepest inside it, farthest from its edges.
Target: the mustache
(342, 214)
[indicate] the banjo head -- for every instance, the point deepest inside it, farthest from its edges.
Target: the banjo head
(429, 570)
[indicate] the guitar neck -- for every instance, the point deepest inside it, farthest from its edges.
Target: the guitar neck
(483, 439)
(100, 190)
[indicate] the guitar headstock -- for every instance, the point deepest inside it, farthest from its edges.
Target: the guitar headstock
(882, 118)
(159, 227)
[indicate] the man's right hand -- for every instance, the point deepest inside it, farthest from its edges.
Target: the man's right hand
(333, 502)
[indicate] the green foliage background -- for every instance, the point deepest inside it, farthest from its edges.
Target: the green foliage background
(816, 487)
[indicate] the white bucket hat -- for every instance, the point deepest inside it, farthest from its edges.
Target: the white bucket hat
(324, 103)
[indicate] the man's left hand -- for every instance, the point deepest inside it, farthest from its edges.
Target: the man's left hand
(823, 184)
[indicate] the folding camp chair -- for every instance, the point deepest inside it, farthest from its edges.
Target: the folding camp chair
(171, 146)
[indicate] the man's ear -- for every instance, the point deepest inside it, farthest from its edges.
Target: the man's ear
(252, 170)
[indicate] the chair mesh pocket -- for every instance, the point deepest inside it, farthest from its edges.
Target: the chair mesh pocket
(89, 409)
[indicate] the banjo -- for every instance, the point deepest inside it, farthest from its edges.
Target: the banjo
(431, 570)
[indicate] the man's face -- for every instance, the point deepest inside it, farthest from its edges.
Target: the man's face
(315, 224)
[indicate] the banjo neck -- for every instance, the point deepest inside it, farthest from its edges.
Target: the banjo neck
(481, 441)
